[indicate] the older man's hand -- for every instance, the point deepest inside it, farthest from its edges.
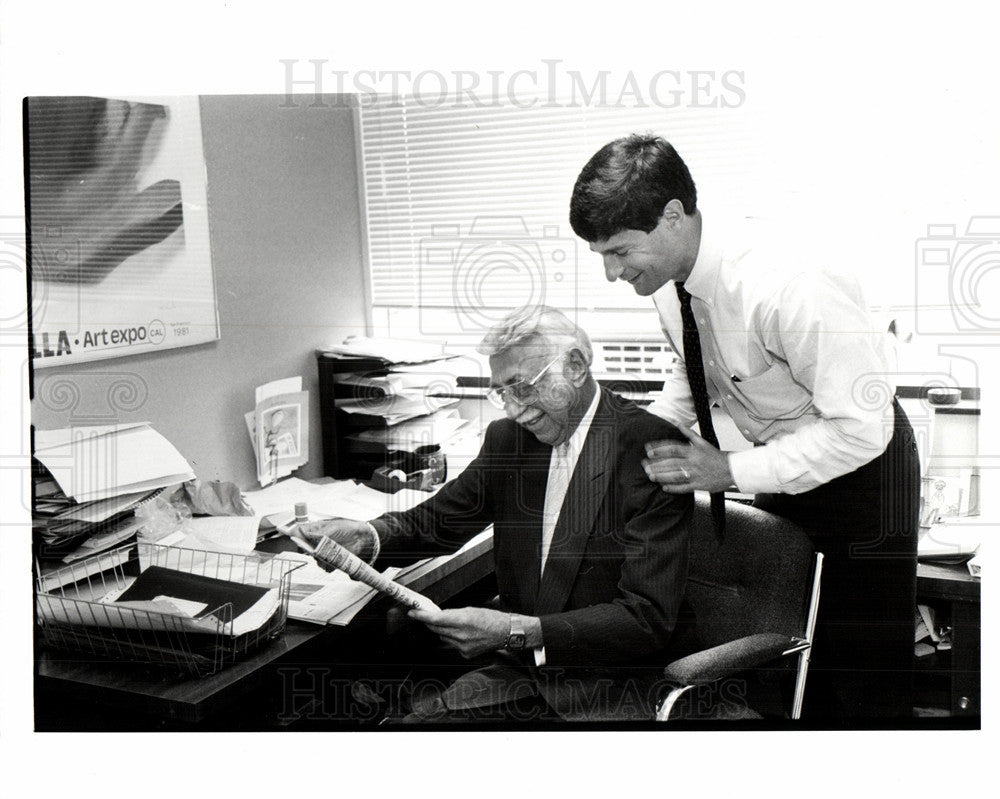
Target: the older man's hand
(472, 631)
(681, 468)
(351, 535)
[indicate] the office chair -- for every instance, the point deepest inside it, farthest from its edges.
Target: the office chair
(753, 596)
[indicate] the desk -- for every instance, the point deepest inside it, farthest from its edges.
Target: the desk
(79, 682)
(951, 590)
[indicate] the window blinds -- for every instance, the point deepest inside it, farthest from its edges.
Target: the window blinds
(467, 208)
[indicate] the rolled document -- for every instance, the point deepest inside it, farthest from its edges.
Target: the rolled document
(330, 553)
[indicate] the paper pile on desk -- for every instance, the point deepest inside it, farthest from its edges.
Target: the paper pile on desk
(408, 436)
(101, 542)
(390, 350)
(395, 410)
(99, 462)
(954, 540)
(343, 499)
(216, 534)
(87, 482)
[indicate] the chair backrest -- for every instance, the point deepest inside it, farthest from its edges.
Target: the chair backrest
(757, 579)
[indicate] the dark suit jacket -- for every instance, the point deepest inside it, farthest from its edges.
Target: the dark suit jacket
(615, 574)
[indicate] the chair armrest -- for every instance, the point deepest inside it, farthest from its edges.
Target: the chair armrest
(720, 661)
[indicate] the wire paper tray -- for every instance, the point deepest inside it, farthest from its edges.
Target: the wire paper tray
(71, 615)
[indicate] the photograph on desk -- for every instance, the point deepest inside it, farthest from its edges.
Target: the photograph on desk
(279, 429)
(558, 418)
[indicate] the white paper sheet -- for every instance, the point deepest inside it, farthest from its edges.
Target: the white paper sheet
(289, 385)
(221, 533)
(393, 350)
(91, 463)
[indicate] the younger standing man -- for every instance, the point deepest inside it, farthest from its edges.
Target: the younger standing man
(792, 354)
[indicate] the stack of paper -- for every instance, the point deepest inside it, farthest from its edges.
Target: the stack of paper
(216, 534)
(956, 540)
(343, 499)
(397, 383)
(393, 410)
(75, 531)
(92, 463)
(88, 481)
(408, 436)
(198, 597)
(373, 385)
(389, 349)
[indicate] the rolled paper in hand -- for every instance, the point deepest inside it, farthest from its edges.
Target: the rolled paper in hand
(332, 554)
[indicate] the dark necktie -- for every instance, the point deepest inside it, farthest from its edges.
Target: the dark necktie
(699, 392)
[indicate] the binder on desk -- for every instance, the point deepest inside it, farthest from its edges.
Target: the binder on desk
(65, 531)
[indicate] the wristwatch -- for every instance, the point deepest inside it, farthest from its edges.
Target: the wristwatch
(515, 638)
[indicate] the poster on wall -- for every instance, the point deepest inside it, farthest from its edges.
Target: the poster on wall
(117, 217)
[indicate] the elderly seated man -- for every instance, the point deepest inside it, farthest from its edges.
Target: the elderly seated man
(590, 556)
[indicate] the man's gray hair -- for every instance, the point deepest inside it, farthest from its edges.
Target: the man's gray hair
(536, 321)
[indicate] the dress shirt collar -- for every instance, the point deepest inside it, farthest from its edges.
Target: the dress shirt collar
(705, 272)
(575, 442)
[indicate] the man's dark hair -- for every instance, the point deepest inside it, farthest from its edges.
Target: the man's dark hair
(626, 185)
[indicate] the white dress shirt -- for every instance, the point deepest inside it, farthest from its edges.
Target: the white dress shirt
(792, 354)
(561, 465)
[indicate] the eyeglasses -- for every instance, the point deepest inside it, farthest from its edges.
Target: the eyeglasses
(524, 392)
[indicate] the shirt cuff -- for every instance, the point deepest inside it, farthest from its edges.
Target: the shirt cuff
(376, 542)
(539, 656)
(751, 472)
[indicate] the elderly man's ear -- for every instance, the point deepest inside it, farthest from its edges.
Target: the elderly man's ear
(576, 369)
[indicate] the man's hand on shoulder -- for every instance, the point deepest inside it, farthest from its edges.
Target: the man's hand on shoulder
(681, 468)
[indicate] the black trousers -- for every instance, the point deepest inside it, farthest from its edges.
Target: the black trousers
(866, 525)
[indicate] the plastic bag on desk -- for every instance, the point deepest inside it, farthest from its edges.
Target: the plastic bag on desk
(161, 517)
(172, 513)
(214, 498)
